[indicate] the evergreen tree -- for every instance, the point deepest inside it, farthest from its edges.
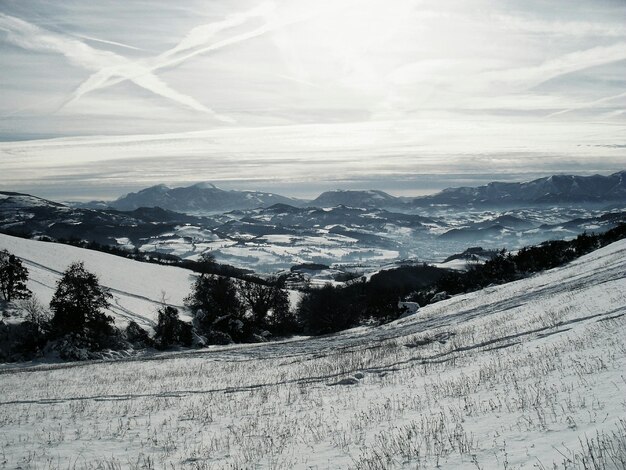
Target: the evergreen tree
(78, 304)
(13, 277)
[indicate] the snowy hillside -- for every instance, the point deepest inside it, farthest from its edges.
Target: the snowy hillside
(518, 376)
(138, 288)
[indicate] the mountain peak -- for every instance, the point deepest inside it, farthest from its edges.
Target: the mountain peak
(156, 188)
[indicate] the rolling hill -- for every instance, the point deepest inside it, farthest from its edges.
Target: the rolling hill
(138, 288)
(523, 375)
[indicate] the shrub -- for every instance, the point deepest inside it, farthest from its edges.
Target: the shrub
(137, 336)
(170, 330)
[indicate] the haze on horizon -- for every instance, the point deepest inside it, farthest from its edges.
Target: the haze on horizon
(409, 96)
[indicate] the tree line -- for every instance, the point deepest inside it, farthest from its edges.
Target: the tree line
(507, 267)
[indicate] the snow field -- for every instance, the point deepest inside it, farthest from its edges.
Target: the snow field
(521, 376)
(138, 288)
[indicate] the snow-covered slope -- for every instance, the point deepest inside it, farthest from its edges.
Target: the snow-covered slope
(527, 375)
(138, 288)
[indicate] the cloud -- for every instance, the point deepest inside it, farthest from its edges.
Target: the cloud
(591, 104)
(105, 63)
(201, 35)
(312, 154)
(196, 42)
(527, 77)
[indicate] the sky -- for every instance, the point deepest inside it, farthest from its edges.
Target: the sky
(409, 96)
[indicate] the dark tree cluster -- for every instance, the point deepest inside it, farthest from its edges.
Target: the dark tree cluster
(227, 310)
(333, 308)
(76, 324)
(78, 303)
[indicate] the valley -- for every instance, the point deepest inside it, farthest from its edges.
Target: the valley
(358, 238)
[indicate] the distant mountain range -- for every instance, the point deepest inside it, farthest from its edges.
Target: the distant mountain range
(281, 235)
(201, 197)
(207, 198)
(550, 190)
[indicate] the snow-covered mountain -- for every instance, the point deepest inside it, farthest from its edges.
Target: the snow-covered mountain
(524, 375)
(198, 198)
(554, 189)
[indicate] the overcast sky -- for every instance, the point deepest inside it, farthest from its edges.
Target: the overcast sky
(408, 96)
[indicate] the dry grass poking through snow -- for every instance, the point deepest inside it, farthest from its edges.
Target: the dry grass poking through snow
(526, 375)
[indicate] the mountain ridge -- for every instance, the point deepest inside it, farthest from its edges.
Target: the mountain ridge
(547, 190)
(208, 198)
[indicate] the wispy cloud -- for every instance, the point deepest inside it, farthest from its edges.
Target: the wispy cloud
(105, 63)
(531, 76)
(345, 87)
(200, 40)
(591, 104)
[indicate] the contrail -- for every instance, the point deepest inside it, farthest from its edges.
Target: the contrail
(111, 69)
(197, 37)
(103, 79)
(29, 36)
(200, 35)
(588, 105)
(571, 62)
(105, 41)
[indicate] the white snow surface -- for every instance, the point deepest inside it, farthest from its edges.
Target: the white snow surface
(520, 376)
(138, 288)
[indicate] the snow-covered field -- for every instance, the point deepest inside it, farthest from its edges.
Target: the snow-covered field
(138, 289)
(526, 375)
